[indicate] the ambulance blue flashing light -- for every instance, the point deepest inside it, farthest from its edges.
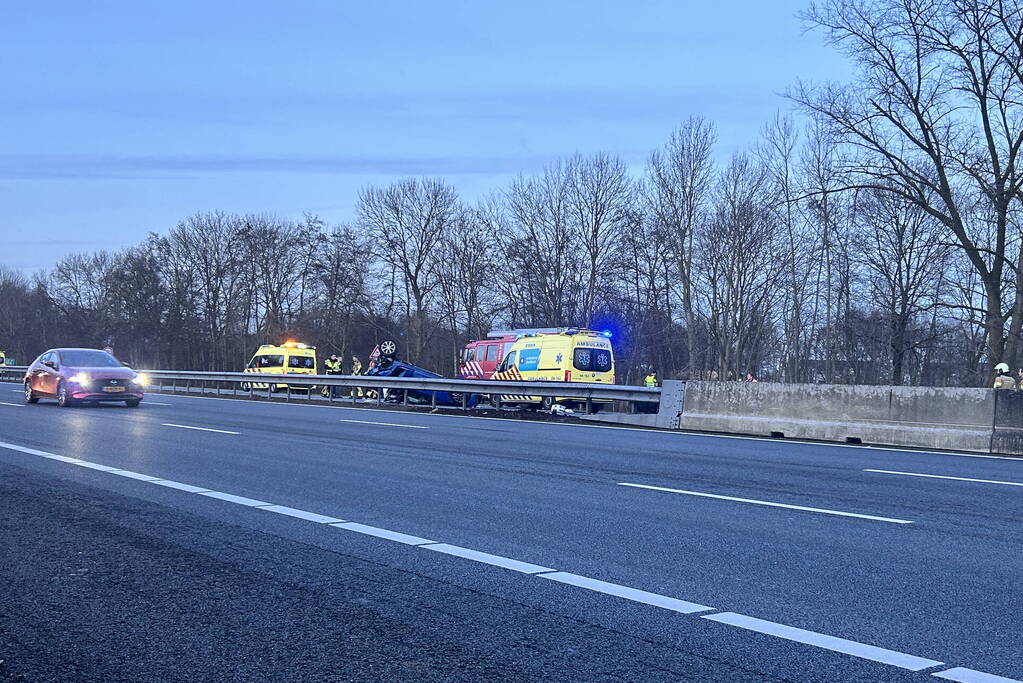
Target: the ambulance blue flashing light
(607, 333)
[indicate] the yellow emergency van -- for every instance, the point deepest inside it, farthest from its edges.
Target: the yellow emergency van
(290, 358)
(557, 355)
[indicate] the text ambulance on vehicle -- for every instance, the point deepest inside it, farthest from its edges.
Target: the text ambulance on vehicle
(556, 355)
(290, 358)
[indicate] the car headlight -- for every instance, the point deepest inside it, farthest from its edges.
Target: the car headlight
(141, 379)
(81, 379)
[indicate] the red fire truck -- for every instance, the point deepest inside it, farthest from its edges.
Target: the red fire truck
(480, 358)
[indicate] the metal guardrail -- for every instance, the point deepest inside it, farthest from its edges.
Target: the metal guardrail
(574, 391)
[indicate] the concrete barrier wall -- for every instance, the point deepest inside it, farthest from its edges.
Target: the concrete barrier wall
(927, 417)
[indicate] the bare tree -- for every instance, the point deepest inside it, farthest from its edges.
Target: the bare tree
(600, 197)
(679, 181)
(408, 221)
(935, 117)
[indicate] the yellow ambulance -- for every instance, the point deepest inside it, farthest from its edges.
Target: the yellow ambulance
(557, 355)
(289, 358)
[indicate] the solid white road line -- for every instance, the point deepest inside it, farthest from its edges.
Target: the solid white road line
(849, 647)
(301, 514)
(487, 558)
(134, 475)
(200, 429)
(833, 643)
(179, 486)
(384, 533)
(964, 675)
(751, 501)
(62, 458)
(97, 466)
(634, 594)
(231, 498)
(385, 424)
(13, 405)
(157, 403)
(942, 476)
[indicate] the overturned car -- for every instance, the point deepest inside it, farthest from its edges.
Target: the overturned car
(386, 364)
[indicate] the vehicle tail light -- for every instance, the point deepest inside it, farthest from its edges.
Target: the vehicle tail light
(568, 375)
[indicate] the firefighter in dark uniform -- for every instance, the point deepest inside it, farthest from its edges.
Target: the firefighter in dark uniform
(332, 366)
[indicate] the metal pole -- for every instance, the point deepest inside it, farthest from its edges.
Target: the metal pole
(589, 405)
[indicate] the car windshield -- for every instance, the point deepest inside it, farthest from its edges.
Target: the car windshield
(85, 358)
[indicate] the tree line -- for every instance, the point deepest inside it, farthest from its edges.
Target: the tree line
(872, 237)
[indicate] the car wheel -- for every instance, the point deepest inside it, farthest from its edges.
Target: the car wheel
(388, 348)
(547, 403)
(30, 396)
(133, 402)
(63, 399)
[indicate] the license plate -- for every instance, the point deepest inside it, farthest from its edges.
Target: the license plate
(113, 390)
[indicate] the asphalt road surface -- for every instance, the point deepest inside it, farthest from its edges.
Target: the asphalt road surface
(213, 539)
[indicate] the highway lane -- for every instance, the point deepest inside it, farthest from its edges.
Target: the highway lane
(548, 494)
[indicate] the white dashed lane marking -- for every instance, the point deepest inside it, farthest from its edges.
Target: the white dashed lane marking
(751, 501)
(385, 424)
(199, 429)
(820, 640)
(13, 405)
(964, 675)
(384, 533)
(301, 514)
(849, 647)
(487, 558)
(634, 594)
(942, 476)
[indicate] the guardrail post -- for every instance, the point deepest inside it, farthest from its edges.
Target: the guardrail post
(465, 401)
(433, 399)
(589, 405)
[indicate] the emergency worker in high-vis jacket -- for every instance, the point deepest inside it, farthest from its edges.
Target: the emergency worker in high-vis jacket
(331, 366)
(357, 370)
(1003, 380)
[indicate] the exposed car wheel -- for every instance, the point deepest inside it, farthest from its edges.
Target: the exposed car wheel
(64, 400)
(245, 386)
(388, 348)
(30, 396)
(133, 402)
(546, 403)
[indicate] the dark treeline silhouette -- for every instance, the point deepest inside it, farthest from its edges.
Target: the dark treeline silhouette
(873, 238)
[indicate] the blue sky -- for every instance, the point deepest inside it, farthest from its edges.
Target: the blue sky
(120, 118)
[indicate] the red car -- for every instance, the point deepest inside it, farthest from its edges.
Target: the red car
(75, 376)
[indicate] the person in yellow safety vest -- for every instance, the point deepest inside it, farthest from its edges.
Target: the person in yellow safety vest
(651, 379)
(1003, 380)
(332, 366)
(357, 370)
